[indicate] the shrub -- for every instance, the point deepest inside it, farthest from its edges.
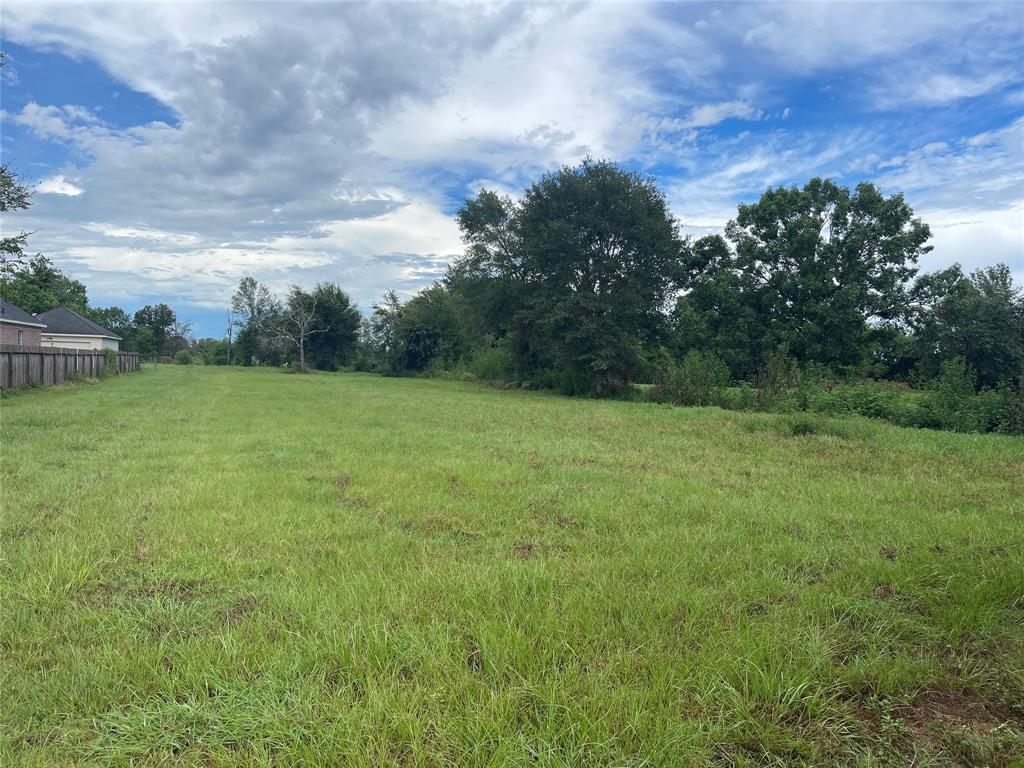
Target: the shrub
(109, 363)
(183, 357)
(947, 405)
(1011, 420)
(775, 378)
(699, 379)
(493, 363)
(365, 363)
(741, 398)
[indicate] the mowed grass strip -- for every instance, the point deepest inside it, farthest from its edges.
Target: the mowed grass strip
(242, 567)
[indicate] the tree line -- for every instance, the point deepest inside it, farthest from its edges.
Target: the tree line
(585, 284)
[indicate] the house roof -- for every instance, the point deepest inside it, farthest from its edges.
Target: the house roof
(64, 321)
(15, 315)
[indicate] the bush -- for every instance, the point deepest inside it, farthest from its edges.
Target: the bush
(183, 357)
(741, 398)
(365, 363)
(698, 380)
(494, 364)
(776, 377)
(109, 364)
(1012, 417)
(947, 405)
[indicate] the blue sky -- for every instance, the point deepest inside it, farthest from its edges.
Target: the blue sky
(178, 147)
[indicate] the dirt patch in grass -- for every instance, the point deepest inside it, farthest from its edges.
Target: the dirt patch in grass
(882, 591)
(140, 551)
(242, 607)
(459, 491)
(16, 532)
(341, 482)
(969, 710)
(109, 592)
(944, 727)
(888, 552)
(760, 606)
(37, 738)
(524, 550)
(443, 526)
(352, 502)
(182, 590)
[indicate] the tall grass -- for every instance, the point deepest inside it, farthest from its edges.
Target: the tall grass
(215, 566)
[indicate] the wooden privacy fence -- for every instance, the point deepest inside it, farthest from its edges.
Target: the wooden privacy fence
(45, 366)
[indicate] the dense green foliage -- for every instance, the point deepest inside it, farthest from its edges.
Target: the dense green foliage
(253, 307)
(349, 570)
(318, 328)
(38, 286)
(333, 311)
(979, 318)
(813, 270)
(158, 319)
(575, 275)
(572, 288)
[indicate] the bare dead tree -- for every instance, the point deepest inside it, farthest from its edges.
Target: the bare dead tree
(231, 326)
(296, 321)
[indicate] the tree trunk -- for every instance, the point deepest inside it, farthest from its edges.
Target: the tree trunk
(302, 357)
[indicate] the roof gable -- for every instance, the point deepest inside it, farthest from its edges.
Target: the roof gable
(66, 321)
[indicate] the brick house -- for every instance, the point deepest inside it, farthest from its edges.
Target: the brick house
(18, 327)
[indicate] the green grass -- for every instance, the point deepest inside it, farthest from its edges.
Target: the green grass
(240, 567)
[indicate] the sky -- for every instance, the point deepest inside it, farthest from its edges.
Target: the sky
(175, 148)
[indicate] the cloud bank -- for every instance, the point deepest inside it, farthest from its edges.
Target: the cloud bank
(334, 141)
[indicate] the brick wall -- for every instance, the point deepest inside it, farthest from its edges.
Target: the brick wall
(31, 337)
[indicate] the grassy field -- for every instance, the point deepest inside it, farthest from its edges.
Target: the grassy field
(203, 566)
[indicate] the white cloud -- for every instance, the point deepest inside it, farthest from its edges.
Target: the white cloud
(976, 238)
(141, 233)
(922, 88)
(58, 185)
(713, 114)
(832, 36)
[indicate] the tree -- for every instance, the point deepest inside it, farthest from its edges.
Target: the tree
(979, 318)
(144, 341)
(817, 270)
(339, 317)
(179, 336)
(427, 333)
(254, 306)
(717, 315)
(158, 319)
(297, 322)
(114, 319)
(14, 196)
(579, 271)
(382, 325)
(212, 351)
(228, 358)
(39, 286)
(252, 302)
